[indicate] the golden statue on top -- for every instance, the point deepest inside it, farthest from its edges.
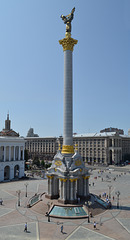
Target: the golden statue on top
(67, 20)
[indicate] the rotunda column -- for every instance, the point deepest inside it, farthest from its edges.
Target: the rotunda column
(71, 189)
(14, 153)
(4, 153)
(64, 189)
(19, 153)
(9, 153)
(23, 153)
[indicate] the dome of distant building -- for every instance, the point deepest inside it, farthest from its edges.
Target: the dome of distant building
(7, 131)
(31, 133)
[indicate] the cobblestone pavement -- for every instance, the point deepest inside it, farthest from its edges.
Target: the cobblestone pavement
(111, 224)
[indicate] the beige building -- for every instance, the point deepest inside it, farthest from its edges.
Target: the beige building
(101, 148)
(45, 148)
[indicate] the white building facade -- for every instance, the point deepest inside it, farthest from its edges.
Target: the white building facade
(11, 158)
(11, 153)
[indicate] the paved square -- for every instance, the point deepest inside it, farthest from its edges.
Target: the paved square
(112, 224)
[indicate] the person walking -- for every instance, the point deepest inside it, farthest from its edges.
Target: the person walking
(62, 228)
(25, 228)
(94, 225)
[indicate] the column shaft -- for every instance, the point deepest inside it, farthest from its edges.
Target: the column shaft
(68, 96)
(84, 187)
(19, 153)
(4, 153)
(23, 152)
(14, 153)
(74, 189)
(71, 191)
(64, 190)
(9, 153)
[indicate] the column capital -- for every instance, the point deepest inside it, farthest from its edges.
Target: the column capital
(73, 179)
(63, 179)
(86, 177)
(68, 43)
(48, 176)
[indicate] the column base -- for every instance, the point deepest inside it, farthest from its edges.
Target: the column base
(84, 197)
(51, 196)
(67, 201)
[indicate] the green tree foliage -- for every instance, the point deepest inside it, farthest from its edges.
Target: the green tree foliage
(127, 157)
(42, 164)
(26, 155)
(47, 165)
(36, 161)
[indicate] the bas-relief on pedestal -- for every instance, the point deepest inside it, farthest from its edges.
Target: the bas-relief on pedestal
(68, 177)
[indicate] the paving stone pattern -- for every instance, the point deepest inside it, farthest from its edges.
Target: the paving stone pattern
(112, 224)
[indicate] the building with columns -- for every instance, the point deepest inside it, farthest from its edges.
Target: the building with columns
(11, 153)
(95, 148)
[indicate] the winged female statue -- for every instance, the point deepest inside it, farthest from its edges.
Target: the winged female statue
(67, 20)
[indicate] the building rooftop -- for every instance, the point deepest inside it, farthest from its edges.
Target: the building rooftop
(104, 134)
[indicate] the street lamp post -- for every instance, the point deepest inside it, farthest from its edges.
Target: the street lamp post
(118, 194)
(109, 191)
(48, 204)
(26, 184)
(18, 192)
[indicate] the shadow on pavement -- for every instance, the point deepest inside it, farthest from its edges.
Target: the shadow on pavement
(121, 207)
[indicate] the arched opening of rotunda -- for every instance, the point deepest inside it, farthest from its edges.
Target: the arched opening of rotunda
(7, 173)
(16, 171)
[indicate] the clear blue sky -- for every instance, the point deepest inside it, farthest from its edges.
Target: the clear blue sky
(31, 65)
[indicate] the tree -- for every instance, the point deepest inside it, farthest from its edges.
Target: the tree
(42, 164)
(36, 161)
(47, 165)
(26, 155)
(127, 157)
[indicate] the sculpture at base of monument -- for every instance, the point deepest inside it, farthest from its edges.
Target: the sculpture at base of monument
(67, 20)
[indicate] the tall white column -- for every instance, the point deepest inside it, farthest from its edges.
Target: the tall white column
(23, 152)
(14, 153)
(68, 95)
(68, 44)
(19, 153)
(9, 153)
(4, 153)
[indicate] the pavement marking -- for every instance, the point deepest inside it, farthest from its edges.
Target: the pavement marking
(37, 231)
(37, 187)
(96, 233)
(7, 213)
(14, 225)
(9, 193)
(72, 233)
(113, 190)
(122, 225)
